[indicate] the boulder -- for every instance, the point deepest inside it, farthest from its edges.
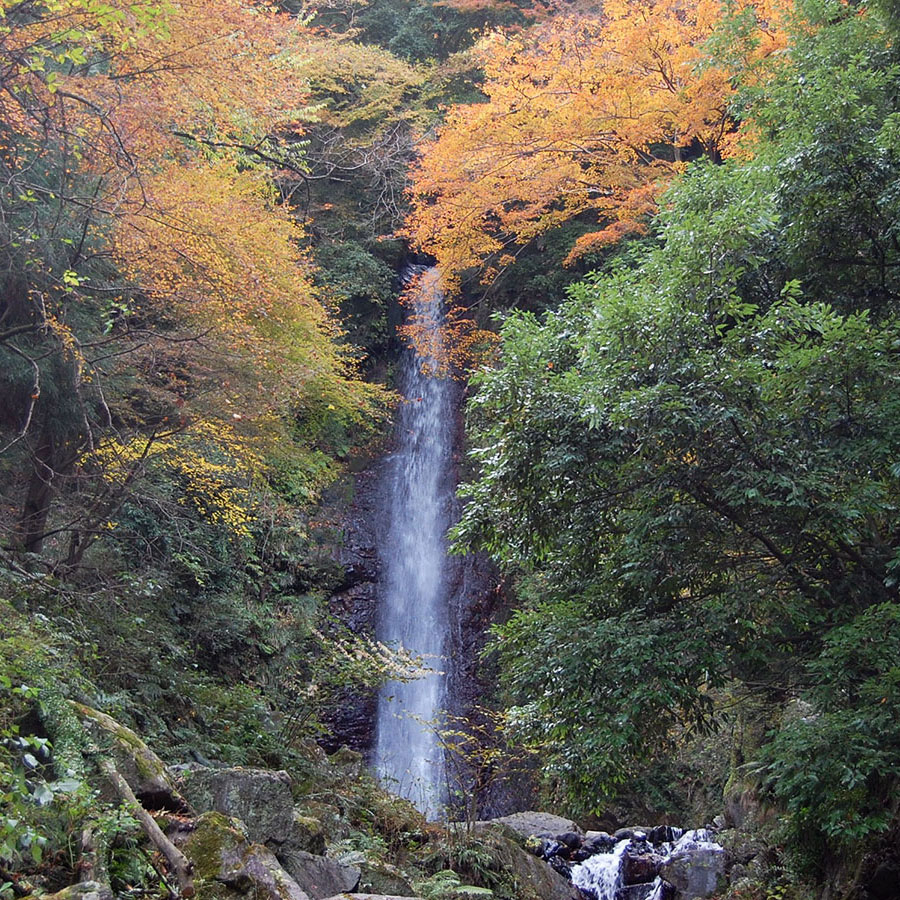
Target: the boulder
(634, 833)
(542, 824)
(372, 897)
(319, 876)
(531, 878)
(695, 872)
(635, 892)
(597, 842)
(144, 771)
(228, 865)
(383, 879)
(661, 834)
(260, 798)
(86, 890)
(638, 868)
(306, 833)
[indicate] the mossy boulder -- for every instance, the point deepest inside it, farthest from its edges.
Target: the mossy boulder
(527, 877)
(260, 798)
(86, 890)
(228, 866)
(144, 771)
(383, 878)
(307, 833)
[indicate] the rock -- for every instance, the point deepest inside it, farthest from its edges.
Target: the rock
(573, 840)
(695, 872)
(634, 833)
(530, 878)
(638, 868)
(883, 883)
(597, 842)
(371, 897)
(319, 876)
(144, 771)
(561, 865)
(348, 763)
(664, 834)
(542, 824)
(536, 846)
(383, 879)
(635, 892)
(86, 890)
(552, 849)
(227, 864)
(260, 798)
(306, 834)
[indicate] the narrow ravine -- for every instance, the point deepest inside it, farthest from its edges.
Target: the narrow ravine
(413, 593)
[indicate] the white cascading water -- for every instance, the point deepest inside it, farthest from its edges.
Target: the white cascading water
(413, 594)
(600, 876)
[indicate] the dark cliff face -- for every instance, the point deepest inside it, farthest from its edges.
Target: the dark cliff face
(351, 720)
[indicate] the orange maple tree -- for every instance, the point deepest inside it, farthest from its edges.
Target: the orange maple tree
(584, 113)
(138, 146)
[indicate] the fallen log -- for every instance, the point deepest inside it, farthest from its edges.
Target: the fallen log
(179, 863)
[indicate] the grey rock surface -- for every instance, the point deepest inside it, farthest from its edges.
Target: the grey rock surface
(260, 798)
(695, 873)
(540, 823)
(533, 878)
(319, 876)
(86, 890)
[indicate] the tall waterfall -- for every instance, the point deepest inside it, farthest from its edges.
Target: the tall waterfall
(413, 599)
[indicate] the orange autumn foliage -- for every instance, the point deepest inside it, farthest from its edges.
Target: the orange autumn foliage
(584, 114)
(445, 337)
(158, 107)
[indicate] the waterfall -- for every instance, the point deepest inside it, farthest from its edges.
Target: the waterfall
(600, 876)
(413, 599)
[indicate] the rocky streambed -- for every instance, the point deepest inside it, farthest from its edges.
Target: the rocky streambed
(658, 863)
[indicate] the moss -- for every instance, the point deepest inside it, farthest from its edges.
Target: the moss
(147, 764)
(213, 835)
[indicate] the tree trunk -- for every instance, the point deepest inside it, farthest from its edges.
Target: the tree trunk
(181, 866)
(39, 493)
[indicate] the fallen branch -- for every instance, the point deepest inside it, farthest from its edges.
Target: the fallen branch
(179, 863)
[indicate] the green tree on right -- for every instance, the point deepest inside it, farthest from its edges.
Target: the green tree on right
(692, 465)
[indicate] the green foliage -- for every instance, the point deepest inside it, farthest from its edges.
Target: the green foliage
(835, 757)
(691, 465)
(446, 885)
(362, 286)
(43, 792)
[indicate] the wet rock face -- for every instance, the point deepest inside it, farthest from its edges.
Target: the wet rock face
(640, 865)
(629, 865)
(351, 720)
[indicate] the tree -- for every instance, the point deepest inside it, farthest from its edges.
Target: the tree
(583, 114)
(691, 469)
(151, 277)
